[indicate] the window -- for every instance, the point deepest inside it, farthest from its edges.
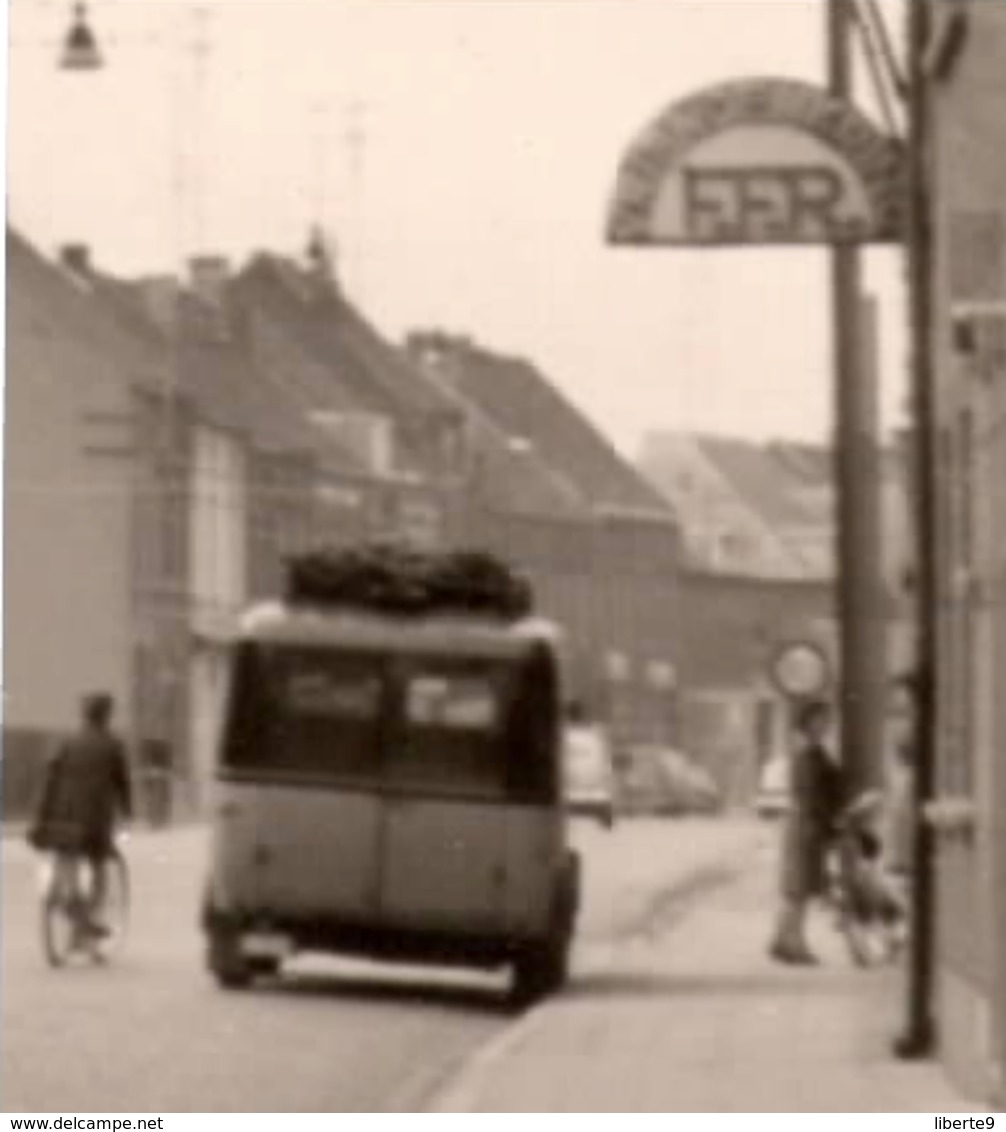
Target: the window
(461, 704)
(418, 724)
(316, 692)
(452, 736)
(306, 712)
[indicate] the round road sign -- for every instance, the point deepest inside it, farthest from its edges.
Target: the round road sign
(801, 669)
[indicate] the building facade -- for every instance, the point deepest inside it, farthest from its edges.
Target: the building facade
(743, 512)
(758, 527)
(68, 543)
(600, 544)
(153, 488)
(758, 522)
(967, 166)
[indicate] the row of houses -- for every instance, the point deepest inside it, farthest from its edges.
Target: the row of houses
(170, 442)
(176, 439)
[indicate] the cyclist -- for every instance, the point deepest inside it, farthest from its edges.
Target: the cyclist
(86, 789)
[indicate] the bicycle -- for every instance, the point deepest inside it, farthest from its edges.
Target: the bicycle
(870, 913)
(69, 913)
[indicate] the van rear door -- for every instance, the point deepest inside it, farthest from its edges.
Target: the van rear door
(303, 823)
(444, 843)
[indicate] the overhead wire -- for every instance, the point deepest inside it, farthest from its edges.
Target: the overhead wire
(881, 67)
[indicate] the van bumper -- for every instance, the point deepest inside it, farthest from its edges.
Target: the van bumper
(394, 943)
(462, 946)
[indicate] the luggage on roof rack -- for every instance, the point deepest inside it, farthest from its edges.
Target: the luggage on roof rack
(388, 579)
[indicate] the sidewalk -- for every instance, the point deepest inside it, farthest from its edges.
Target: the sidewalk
(694, 1018)
(16, 831)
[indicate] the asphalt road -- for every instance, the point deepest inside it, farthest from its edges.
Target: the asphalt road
(152, 1033)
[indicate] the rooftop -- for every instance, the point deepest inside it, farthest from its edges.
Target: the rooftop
(530, 410)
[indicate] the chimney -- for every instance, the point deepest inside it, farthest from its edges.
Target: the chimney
(321, 260)
(76, 258)
(434, 352)
(208, 279)
(160, 298)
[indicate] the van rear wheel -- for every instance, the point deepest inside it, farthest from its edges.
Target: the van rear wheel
(231, 969)
(540, 970)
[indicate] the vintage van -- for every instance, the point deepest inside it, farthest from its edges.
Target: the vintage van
(391, 786)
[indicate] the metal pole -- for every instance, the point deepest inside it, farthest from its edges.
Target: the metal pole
(876, 654)
(861, 629)
(917, 1039)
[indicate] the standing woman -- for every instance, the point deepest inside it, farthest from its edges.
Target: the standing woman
(816, 801)
(902, 724)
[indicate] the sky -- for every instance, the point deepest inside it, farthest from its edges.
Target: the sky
(488, 136)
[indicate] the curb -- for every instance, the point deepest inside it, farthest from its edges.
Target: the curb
(467, 1083)
(665, 913)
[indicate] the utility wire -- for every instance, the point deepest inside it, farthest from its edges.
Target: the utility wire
(884, 85)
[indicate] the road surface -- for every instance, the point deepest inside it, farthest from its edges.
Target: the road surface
(152, 1033)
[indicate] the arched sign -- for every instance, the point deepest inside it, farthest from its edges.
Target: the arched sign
(760, 161)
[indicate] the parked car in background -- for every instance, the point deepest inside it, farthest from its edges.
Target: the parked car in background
(773, 797)
(589, 774)
(659, 780)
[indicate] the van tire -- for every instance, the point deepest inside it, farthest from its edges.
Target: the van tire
(229, 967)
(265, 968)
(541, 970)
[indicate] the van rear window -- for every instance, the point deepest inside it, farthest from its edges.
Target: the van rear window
(453, 728)
(328, 713)
(454, 703)
(435, 726)
(318, 714)
(316, 692)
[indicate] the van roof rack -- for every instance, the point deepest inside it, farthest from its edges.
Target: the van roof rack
(388, 579)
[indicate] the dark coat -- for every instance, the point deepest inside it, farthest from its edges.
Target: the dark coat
(816, 804)
(86, 789)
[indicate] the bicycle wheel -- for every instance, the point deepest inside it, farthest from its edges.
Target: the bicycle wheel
(61, 922)
(114, 911)
(873, 939)
(870, 944)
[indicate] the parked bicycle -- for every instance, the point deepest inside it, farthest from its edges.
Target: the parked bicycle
(77, 921)
(868, 900)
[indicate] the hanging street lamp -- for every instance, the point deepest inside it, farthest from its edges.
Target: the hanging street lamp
(80, 49)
